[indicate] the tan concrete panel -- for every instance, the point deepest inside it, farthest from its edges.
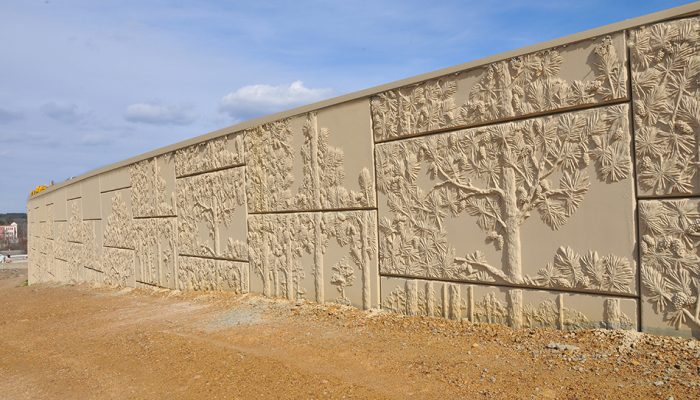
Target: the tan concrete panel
(212, 215)
(670, 266)
(546, 202)
(591, 71)
(665, 67)
(219, 153)
(118, 266)
(329, 256)
(195, 273)
(518, 308)
(316, 161)
(117, 217)
(41, 230)
(115, 179)
(73, 191)
(153, 187)
(60, 205)
(90, 196)
(156, 251)
(42, 212)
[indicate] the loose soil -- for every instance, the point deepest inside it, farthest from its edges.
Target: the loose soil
(82, 342)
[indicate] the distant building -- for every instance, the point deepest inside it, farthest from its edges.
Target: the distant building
(9, 232)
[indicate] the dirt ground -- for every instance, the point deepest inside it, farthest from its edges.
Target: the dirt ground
(80, 342)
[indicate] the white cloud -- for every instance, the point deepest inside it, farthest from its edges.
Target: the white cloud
(159, 114)
(254, 100)
(68, 113)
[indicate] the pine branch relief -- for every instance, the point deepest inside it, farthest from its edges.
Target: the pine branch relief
(670, 263)
(519, 86)
(500, 175)
(666, 94)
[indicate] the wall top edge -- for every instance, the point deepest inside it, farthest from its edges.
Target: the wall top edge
(672, 13)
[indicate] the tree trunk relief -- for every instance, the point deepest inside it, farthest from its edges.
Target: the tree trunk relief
(314, 162)
(366, 276)
(511, 237)
(318, 260)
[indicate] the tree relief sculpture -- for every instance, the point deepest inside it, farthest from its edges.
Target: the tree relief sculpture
(60, 243)
(119, 231)
(269, 183)
(670, 272)
(91, 249)
(75, 223)
(212, 275)
(208, 203)
(666, 92)
(519, 308)
(270, 186)
(223, 152)
(501, 175)
(279, 242)
(118, 267)
(520, 86)
(151, 195)
(276, 246)
(156, 251)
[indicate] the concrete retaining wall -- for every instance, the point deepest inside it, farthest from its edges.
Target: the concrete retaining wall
(551, 186)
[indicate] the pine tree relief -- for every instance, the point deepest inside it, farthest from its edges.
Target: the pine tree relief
(666, 93)
(211, 155)
(499, 175)
(149, 189)
(269, 184)
(322, 188)
(118, 267)
(279, 241)
(519, 86)
(75, 223)
(670, 274)
(156, 251)
(208, 203)
(119, 229)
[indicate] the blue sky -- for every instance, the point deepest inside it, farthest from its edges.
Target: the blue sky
(86, 83)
